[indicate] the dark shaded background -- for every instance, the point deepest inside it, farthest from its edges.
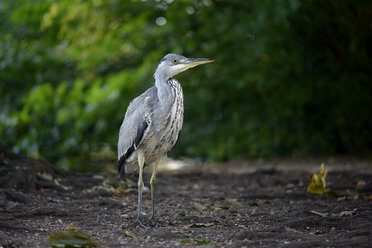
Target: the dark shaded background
(291, 78)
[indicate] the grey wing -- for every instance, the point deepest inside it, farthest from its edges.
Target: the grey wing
(135, 125)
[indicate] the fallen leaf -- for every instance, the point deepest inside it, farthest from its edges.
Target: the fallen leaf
(199, 206)
(318, 182)
(347, 213)
(129, 234)
(197, 225)
(360, 184)
(110, 186)
(197, 241)
(101, 177)
(342, 213)
(367, 197)
(181, 214)
(185, 240)
(233, 201)
(218, 208)
(341, 198)
(72, 239)
(288, 229)
(45, 176)
(319, 213)
(62, 186)
(120, 190)
(72, 228)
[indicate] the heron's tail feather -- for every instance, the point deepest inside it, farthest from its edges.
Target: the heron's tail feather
(127, 168)
(121, 163)
(124, 158)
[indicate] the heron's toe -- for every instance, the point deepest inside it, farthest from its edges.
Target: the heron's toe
(138, 222)
(153, 223)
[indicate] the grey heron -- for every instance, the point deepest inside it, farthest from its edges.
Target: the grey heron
(152, 124)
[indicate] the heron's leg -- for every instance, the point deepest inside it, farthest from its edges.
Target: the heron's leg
(152, 184)
(141, 161)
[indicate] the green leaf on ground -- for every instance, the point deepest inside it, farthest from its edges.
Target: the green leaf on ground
(129, 234)
(181, 214)
(196, 225)
(72, 239)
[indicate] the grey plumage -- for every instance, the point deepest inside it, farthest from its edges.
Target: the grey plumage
(134, 128)
(152, 122)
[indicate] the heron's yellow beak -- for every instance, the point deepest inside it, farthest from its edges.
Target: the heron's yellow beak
(197, 61)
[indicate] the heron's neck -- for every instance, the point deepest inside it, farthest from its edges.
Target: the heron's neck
(165, 92)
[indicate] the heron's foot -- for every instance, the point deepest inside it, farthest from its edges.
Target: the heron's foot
(139, 222)
(157, 223)
(152, 221)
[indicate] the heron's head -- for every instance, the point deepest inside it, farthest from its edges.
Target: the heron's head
(172, 64)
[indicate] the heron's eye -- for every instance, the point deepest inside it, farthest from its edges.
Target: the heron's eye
(175, 61)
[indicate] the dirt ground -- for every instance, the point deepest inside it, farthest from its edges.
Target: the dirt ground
(238, 204)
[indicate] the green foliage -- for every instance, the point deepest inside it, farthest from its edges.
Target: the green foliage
(290, 78)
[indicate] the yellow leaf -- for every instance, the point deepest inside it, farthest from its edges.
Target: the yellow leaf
(199, 206)
(367, 197)
(318, 183)
(129, 234)
(288, 229)
(121, 190)
(360, 184)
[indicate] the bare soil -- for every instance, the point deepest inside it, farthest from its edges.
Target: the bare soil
(251, 204)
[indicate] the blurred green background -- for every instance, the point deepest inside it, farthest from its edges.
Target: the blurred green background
(291, 78)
